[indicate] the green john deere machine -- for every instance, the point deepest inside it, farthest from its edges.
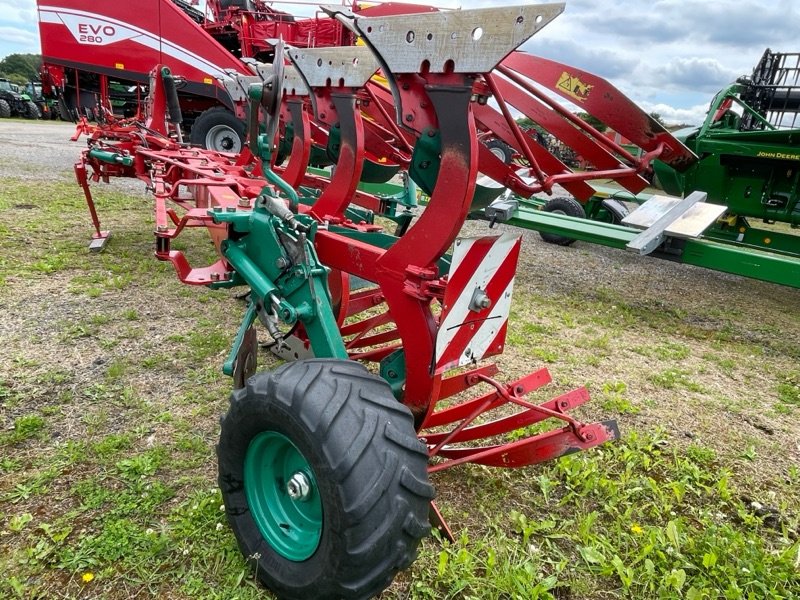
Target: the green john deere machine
(749, 150)
(736, 209)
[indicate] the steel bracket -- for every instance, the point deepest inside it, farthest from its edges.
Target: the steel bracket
(458, 41)
(349, 66)
(502, 210)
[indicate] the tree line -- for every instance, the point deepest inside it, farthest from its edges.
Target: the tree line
(20, 68)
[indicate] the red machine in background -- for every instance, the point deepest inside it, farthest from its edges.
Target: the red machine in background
(100, 55)
(92, 55)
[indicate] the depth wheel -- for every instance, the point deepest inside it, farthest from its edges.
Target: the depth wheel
(562, 205)
(324, 480)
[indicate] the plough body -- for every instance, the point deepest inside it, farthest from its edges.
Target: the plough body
(322, 516)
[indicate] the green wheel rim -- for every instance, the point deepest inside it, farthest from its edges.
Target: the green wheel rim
(288, 515)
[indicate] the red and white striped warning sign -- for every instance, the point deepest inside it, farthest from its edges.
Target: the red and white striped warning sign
(477, 300)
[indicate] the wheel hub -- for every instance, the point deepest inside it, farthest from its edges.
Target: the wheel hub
(223, 139)
(283, 496)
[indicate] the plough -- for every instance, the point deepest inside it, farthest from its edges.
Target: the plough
(324, 463)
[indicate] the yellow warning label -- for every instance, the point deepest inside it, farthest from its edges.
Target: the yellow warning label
(119, 66)
(208, 80)
(574, 87)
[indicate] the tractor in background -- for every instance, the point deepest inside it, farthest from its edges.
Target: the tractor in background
(48, 108)
(15, 103)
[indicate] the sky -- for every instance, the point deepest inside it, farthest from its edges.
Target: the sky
(668, 56)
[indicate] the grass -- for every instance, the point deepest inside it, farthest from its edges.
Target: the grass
(642, 518)
(109, 420)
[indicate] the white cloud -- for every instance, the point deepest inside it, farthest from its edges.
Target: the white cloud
(16, 36)
(694, 74)
(672, 54)
(694, 115)
(22, 12)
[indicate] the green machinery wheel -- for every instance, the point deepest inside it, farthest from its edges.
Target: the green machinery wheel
(323, 478)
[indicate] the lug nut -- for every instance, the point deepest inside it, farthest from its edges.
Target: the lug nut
(299, 487)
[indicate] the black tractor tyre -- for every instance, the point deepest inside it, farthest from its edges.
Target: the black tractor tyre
(501, 150)
(31, 110)
(562, 205)
(370, 471)
(5, 109)
(218, 129)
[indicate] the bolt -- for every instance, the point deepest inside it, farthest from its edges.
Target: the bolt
(563, 404)
(589, 437)
(215, 277)
(409, 117)
(281, 262)
(230, 209)
(519, 390)
(299, 487)
(244, 202)
(162, 228)
(392, 374)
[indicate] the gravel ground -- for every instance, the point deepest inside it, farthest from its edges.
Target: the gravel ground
(36, 149)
